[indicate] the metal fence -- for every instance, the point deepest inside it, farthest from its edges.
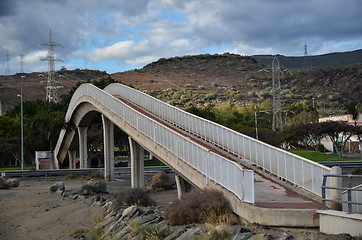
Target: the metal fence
(85, 171)
(221, 170)
(351, 197)
(298, 170)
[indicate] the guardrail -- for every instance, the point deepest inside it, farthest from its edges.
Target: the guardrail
(346, 166)
(283, 164)
(213, 166)
(61, 172)
(352, 197)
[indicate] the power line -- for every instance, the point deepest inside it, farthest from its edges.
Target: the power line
(51, 88)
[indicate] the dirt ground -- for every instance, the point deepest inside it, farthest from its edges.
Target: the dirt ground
(32, 212)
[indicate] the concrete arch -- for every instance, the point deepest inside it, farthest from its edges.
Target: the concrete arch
(187, 158)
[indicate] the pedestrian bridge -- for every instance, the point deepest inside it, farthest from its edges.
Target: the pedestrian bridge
(201, 152)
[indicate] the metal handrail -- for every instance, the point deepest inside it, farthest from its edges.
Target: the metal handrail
(349, 190)
(293, 168)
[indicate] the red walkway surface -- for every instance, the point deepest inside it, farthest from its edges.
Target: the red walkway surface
(268, 193)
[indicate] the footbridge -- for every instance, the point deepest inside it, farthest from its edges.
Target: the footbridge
(262, 182)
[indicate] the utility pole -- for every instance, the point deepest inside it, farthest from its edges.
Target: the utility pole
(256, 123)
(22, 113)
(7, 69)
(51, 88)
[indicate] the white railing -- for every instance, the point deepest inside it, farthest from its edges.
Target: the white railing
(227, 173)
(283, 164)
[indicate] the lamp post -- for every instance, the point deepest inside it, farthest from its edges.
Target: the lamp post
(22, 125)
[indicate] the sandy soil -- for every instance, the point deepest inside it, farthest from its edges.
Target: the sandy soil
(32, 212)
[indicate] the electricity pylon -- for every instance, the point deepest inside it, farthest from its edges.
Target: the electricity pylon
(51, 88)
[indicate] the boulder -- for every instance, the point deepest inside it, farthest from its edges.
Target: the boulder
(13, 182)
(160, 181)
(243, 236)
(58, 187)
(3, 183)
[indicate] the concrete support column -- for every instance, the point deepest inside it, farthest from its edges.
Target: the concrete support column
(137, 164)
(83, 149)
(336, 194)
(182, 186)
(72, 156)
(108, 136)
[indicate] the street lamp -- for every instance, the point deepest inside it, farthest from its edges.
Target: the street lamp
(22, 124)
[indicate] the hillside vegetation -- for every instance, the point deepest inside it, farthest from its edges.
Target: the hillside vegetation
(240, 79)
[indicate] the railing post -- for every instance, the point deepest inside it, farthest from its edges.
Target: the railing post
(349, 194)
(324, 207)
(336, 194)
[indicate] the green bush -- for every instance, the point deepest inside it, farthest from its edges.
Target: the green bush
(196, 207)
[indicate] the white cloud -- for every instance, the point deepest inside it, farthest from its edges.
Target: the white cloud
(142, 60)
(34, 57)
(119, 50)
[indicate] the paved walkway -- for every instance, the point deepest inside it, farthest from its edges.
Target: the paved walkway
(268, 193)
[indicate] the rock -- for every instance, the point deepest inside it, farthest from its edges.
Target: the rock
(261, 237)
(95, 199)
(146, 219)
(130, 211)
(286, 236)
(99, 185)
(159, 181)
(13, 182)
(243, 236)
(178, 232)
(3, 183)
(58, 187)
(190, 233)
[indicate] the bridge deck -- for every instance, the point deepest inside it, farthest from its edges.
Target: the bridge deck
(268, 193)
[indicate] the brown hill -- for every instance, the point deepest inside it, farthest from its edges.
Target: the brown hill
(239, 78)
(34, 85)
(225, 76)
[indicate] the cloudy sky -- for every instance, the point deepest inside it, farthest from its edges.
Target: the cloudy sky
(120, 35)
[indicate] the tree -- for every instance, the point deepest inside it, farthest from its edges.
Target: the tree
(352, 109)
(306, 136)
(339, 133)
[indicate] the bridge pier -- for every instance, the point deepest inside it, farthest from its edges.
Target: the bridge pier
(137, 164)
(182, 185)
(108, 136)
(83, 149)
(72, 156)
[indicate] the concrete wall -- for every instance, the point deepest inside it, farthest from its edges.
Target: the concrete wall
(356, 197)
(337, 222)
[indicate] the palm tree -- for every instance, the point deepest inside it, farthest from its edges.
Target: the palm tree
(352, 110)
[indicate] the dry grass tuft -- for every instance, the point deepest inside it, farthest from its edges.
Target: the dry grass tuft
(197, 207)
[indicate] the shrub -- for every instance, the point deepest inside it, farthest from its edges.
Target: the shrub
(94, 175)
(189, 85)
(196, 207)
(133, 196)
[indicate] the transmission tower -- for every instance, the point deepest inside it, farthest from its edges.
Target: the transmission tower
(51, 88)
(276, 91)
(7, 69)
(305, 63)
